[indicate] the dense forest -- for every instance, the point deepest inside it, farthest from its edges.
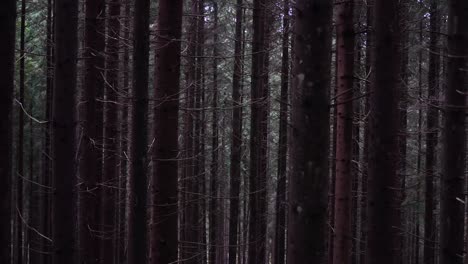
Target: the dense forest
(233, 131)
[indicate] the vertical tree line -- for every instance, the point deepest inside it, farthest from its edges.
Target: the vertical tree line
(233, 131)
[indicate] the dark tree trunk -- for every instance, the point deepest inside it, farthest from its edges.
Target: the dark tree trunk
(344, 132)
(109, 182)
(167, 81)
(137, 181)
(369, 71)
(7, 74)
(20, 176)
(45, 197)
(454, 150)
(384, 186)
(91, 117)
(432, 123)
(280, 239)
(236, 138)
(258, 135)
(64, 133)
(308, 186)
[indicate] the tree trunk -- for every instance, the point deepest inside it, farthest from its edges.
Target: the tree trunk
(280, 239)
(383, 183)
(432, 123)
(137, 181)
(64, 133)
(308, 186)
(236, 137)
(454, 150)
(92, 122)
(167, 81)
(7, 74)
(258, 134)
(20, 176)
(344, 132)
(110, 160)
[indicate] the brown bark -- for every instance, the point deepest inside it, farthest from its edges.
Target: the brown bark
(109, 182)
(432, 124)
(344, 131)
(137, 179)
(236, 137)
(384, 199)
(91, 117)
(7, 68)
(280, 236)
(64, 133)
(308, 186)
(454, 150)
(163, 247)
(258, 135)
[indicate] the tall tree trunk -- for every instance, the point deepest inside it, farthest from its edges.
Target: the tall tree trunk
(344, 132)
(217, 212)
(92, 122)
(20, 176)
(137, 180)
(64, 133)
(454, 150)
(109, 183)
(45, 197)
(383, 183)
(280, 239)
(7, 74)
(308, 180)
(432, 123)
(165, 153)
(369, 71)
(258, 134)
(236, 138)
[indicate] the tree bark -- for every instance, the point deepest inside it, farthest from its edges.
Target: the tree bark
(343, 183)
(308, 186)
(258, 134)
(454, 150)
(281, 201)
(7, 74)
(109, 182)
(137, 181)
(64, 133)
(20, 176)
(432, 123)
(384, 185)
(236, 137)
(91, 117)
(167, 81)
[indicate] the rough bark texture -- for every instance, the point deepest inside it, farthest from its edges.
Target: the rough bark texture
(109, 182)
(432, 124)
(64, 133)
(308, 185)
(91, 117)
(344, 131)
(454, 150)
(236, 138)
(7, 68)
(137, 180)
(383, 183)
(281, 201)
(167, 81)
(258, 135)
